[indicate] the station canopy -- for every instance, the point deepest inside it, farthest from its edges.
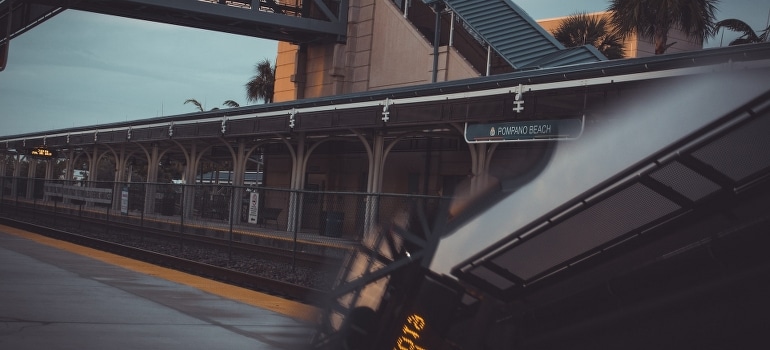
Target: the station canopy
(670, 159)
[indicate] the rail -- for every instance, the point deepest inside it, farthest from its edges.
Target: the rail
(267, 285)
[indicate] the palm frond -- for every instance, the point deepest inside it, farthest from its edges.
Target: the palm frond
(195, 103)
(735, 25)
(231, 104)
(748, 35)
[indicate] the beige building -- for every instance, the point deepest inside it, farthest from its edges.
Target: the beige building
(386, 50)
(383, 50)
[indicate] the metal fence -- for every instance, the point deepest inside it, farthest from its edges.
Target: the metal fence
(191, 208)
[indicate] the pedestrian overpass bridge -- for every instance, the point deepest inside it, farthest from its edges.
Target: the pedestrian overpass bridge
(293, 21)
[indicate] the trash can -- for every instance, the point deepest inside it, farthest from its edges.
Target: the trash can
(333, 227)
(168, 204)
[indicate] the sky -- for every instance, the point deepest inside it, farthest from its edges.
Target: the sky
(83, 69)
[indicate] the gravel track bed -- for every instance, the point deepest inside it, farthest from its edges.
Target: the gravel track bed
(220, 257)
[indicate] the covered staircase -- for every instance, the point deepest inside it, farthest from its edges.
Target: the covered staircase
(515, 40)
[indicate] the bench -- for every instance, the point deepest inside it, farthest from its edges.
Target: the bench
(270, 214)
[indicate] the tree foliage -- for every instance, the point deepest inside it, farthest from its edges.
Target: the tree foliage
(583, 29)
(748, 35)
(231, 104)
(199, 106)
(262, 85)
(652, 19)
(195, 103)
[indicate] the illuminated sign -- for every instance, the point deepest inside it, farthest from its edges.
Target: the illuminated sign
(42, 152)
(410, 333)
(533, 130)
(424, 315)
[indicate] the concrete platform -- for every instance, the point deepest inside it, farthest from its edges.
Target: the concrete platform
(61, 298)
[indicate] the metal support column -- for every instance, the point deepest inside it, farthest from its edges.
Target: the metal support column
(93, 167)
(436, 41)
(31, 170)
(239, 173)
(69, 171)
(16, 175)
(120, 172)
(188, 177)
(152, 178)
(298, 179)
(376, 166)
(49, 165)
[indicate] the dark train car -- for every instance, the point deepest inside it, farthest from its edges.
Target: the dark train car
(651, 230)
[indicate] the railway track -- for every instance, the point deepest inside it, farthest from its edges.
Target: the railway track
(45, 216)
(301, 258)
(292, 291)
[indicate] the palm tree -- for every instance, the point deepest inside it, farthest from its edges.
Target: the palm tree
(583, 29)
(749, 35)
(199, 106)
(262, 85)
(652, 19)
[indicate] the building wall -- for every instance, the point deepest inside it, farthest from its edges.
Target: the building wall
(285, 66)
(383, 50)
(635, 46)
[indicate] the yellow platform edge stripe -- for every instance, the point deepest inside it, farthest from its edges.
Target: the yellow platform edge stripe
(292, 309)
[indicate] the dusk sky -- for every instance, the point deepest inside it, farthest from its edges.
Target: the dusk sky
(83, 69)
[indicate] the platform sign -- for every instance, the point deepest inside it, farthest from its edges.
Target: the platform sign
(42, 152)
(253, 207)
(531, 130)
(124, 201)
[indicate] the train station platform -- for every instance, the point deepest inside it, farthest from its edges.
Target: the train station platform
(56, 295)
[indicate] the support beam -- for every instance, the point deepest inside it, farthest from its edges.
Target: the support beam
(239, 173)
(121, 162)
(16, 175)
(3, 165)
(298, 179)
(31, 169)
(288, 23)
(69, 171)
(152, 178)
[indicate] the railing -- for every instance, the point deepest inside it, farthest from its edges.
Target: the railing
(188, 208)
(456, 35)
